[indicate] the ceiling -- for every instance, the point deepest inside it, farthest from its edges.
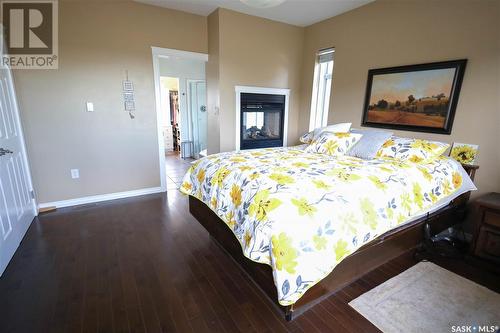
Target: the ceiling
(297, 12)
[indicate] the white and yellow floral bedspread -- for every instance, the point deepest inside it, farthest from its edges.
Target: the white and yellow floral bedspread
(302, 213)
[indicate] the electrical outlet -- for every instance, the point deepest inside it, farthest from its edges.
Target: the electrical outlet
(75, 173)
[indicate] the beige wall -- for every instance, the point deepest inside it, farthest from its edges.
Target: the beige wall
(254, 52)
(115, 153)
(212, 70)
(98, 41)
(390, 33)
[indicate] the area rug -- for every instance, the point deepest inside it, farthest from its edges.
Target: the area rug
(428, 298)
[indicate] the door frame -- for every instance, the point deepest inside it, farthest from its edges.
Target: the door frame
(157, 53)
(24, 152)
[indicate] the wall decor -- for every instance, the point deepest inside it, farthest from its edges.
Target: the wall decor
(464, 153)
(419, 98)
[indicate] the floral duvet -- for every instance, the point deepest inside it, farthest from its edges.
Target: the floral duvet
(302, 213)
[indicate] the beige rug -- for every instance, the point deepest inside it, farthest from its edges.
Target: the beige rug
(428, 298)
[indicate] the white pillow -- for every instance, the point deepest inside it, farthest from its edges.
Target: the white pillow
(314, 134)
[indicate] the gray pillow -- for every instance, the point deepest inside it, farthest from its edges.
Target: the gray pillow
(369, 144)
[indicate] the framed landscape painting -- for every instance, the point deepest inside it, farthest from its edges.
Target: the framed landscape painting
(415, 98)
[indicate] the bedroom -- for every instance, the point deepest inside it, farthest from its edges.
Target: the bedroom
(163, 270)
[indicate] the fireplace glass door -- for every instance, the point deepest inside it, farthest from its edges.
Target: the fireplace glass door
(261, 120)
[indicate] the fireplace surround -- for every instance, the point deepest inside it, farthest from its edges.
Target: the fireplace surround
(261, 117)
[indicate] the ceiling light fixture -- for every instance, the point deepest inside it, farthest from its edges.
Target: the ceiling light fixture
(262, 3)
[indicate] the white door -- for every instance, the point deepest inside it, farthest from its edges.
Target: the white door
(201, 93)
(17, 206)
(198, 102)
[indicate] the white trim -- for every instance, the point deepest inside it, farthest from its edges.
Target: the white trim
(260, 90)
(101, 197)
(165, 53)
(159, 121)
(157, 53)
(316, 84)
(314, 97)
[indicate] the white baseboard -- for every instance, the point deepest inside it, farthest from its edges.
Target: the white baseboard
(101, 197)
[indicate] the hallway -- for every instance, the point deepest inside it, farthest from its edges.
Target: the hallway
(175, 167)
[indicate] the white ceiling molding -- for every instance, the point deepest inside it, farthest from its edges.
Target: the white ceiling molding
(297, 12)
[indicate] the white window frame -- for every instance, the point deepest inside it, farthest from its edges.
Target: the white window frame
(321, 90)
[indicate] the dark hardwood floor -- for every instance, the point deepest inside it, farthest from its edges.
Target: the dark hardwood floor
(145, 265)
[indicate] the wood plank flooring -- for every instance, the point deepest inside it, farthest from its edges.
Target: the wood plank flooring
(146, 265)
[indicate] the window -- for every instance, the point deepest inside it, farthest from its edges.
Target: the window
(322, 87)
(253, 119)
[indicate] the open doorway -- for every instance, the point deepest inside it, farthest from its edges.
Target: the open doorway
(181, 111)
(172, 115)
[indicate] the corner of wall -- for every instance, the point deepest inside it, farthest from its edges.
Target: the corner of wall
(212, 78)
(277, 63)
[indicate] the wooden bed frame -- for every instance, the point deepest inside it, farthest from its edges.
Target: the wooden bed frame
(370, 256)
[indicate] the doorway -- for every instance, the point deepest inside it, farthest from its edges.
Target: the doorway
(172, 115)
(180, 92)
(197, 98)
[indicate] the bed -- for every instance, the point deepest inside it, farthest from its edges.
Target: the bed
(303, 225)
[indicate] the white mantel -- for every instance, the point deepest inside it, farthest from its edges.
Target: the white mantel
(260, 90)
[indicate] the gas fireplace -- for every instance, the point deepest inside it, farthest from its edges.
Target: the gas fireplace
(262, 120)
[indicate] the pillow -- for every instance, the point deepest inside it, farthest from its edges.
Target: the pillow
(369, 144)
(314, 134)
(412, 150)
(334, 144)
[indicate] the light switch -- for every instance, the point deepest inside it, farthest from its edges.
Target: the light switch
(90, 107)
(75, 173)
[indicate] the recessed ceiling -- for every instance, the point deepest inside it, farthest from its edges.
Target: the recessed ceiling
(297, 12)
